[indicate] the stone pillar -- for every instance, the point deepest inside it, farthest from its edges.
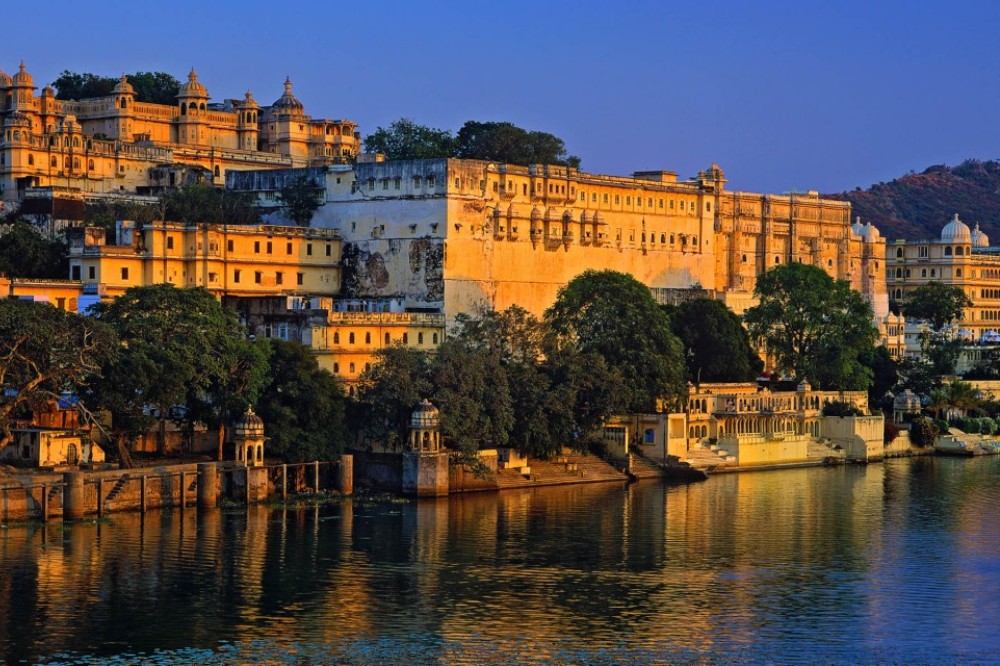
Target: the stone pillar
(425, 474)
(73, 496)
(345, 475)
(208, 486)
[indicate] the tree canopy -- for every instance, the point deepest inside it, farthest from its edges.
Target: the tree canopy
(492, 141)
(212, 205)
(813, 326)
(406, 140)
(717, 347)
(43, 352)
(301, 198)
(153, 87)
(26, 253)
(614, 316)
(187, 358)
(302, 405)
(936, 302)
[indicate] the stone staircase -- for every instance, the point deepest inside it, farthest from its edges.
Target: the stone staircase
(824, 449)
(569, 468)
(116, 490)
(710, 458)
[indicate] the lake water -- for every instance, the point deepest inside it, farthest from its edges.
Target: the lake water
(892, 563)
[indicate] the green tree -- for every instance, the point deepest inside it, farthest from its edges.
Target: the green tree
(885, 373)
(923, 432)
(717, 347)
(614, 316)
(186, 358)
(941, 350)
(508, 143)
(301, 198)
(211, 205)
(302, 406)
(153, 87)
(389, 391)
(472, 391)
(406, 140)
(813, 326)
(26, 253)
(43, 352)
(936, 302)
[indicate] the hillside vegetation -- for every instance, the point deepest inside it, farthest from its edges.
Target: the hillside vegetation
(917, 205)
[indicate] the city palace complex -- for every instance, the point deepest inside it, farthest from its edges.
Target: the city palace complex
(399, 248)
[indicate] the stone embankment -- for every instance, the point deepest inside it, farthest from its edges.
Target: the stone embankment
(76, 494)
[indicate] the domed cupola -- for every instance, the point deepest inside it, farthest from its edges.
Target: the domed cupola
(123, 87)
(5, 80)
(979, 239)
(857, 228)
(287, 102)
(193, 87)
(22, 79)
(870, 234)
(956, 231)
(249, 425)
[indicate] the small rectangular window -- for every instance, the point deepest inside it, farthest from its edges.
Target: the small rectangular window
(124, 273)
(229, 246)
(329, 250)
(269, 247)
(236, 275)
(288, 248)
(298, 278)
(309, 249)
(279, 278)
(170, 242)
(256, 247)
(257, 277)
(91, 272)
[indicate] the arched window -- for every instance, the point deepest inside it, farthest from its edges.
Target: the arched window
(184, 108)
(336, 338)
(420, 338)
(368, 338)
(406, 338)
(958, 272)
(899, 272)
(217, 172)
(124, 103)
(959, 251)
(53, 162)
(90, 164)
(351, 368)
(435, 338)
(387, 339)
(350, 338)
(368, 366)
(947, 251)
(31, 160)
(336, 368)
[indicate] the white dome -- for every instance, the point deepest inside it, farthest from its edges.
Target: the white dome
(979, 239)
(857, 228)
(870, 234)
(956, 231)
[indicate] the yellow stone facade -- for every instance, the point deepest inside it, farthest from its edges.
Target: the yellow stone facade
(961, 257)
(115, 144)
(225, 259)
(63, 294)
(462, 234)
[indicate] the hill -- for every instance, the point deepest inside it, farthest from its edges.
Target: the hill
(917, 205)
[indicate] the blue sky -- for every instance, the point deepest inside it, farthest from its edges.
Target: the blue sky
(781, 95)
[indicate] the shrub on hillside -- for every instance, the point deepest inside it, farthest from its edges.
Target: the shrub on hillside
(923, 432)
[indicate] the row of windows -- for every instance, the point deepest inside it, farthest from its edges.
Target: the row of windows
(351, 369)
(388, 339)
(269, 248)
(923, 273)
(397, 183)
(258, 277)
(959, 251)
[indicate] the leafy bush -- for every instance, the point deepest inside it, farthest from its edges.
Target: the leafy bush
(841, 408)
(968, 425)
(890, 433)
(923, 432)
(941, 425)
(987, 426)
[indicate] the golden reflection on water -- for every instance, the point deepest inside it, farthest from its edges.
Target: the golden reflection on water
(744, 564)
